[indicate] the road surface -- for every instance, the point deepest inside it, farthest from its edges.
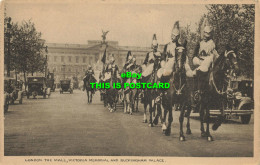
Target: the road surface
(66, 125)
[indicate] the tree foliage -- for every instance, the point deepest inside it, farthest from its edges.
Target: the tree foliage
(26, 48)
(234, 25)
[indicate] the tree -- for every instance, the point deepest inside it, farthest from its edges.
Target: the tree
(27, 51)
(234, 24)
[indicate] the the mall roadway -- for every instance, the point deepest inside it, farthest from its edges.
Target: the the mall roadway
(65, 124)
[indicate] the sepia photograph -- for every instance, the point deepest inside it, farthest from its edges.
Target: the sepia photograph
(141, 82)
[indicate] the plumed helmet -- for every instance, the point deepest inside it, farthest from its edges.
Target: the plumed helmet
(129, 56)
(206, 28)
(154, 42)
(176, 29)
(112, 58)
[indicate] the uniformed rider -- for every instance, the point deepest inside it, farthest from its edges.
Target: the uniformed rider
(111, 69)
(205, 51)
(152, 60)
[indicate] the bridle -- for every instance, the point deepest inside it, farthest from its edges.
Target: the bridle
(231, 64)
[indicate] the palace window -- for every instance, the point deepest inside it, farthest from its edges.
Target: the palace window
(77, 59)
(62, 58)
(84, 59)
(55, 58)
(69, 58)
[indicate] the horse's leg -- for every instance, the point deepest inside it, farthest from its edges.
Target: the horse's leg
(181, 118)
(88, 95)
(209, 137)
(201, 110)
(169, 124)
(221, 117)
(188, 132)
(159, 112)
(145, 108)
(137, 100)
(150, 114)
(165, 111)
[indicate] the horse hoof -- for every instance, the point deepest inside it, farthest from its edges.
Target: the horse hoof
(188, 132)
(151, 125)
(168, 132)
(182, 138)
(164, 127)
(145, 121)
(210, 139)
(131, 113)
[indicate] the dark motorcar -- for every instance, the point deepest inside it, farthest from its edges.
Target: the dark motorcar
(66, 86)
(37, 86)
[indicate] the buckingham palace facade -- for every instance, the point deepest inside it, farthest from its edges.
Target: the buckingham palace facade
(72, 60)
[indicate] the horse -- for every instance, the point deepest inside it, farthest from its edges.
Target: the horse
(134, 93)
(177, 94)
(149, 100)
(212, 89)
(181, 95)
(111, 94)
(90, 91)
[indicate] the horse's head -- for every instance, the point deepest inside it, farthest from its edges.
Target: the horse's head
(180, 56)
(231, 63)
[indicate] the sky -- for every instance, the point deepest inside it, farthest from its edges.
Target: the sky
(130, 24)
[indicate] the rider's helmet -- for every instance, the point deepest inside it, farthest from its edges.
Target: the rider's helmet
(175, 31)
(129, 56)
(206, 30)
(112, 59)
(154, 43)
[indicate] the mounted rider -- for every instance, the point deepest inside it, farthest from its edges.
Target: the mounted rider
(89, 74)
(152, 61)
(111, 70)
(205, 50)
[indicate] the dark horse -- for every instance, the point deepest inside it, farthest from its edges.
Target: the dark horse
(111, 95)
(212, 88)
(90, 91)
(150, 97)
(178, 93)
(181, 95)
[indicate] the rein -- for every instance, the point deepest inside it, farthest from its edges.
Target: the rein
(220, 92)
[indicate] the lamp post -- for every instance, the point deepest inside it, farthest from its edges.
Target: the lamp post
(8, 35)
(46, 61)
(63, 66)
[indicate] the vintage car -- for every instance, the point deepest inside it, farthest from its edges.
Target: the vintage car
(240, 100)
(51, 82)
(66, 86)
(13, 90)
(37, 86)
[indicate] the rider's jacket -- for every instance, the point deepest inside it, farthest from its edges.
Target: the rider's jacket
(204, 49)
(169, 51)
(113, 69)
(153, 57)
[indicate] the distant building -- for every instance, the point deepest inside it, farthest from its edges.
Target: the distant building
(72, 60)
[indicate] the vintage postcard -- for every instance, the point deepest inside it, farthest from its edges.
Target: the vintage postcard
(129, 82)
